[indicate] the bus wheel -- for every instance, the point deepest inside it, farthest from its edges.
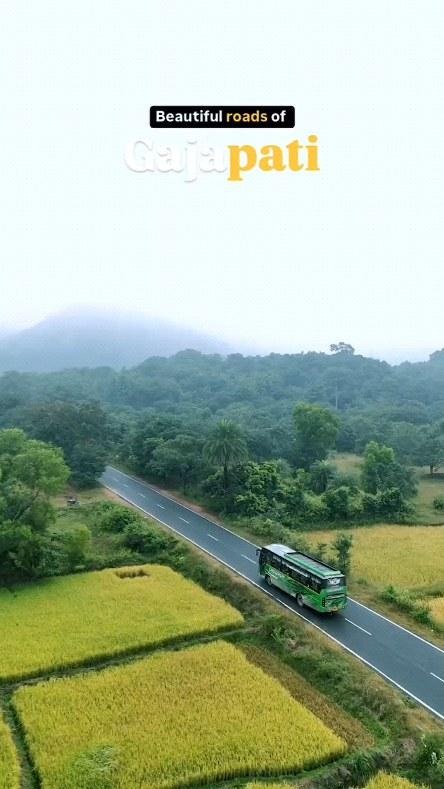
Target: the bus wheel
(268, 580)
(300, 600)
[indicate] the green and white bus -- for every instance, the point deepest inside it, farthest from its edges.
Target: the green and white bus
(312, 582)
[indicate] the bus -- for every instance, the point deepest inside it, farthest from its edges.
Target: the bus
(312, 582)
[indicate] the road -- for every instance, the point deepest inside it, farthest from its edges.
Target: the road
(409, 662)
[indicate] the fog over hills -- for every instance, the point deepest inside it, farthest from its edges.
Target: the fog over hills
(90, 337)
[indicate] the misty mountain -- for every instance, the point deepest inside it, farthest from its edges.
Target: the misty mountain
(96, 338)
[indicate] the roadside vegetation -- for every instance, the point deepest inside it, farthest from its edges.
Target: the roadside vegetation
(385, 781)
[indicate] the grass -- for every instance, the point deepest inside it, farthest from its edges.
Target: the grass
(66, 621)
(260, 785)
(9, 765)
(386, 781)
(411, 557)
(436, 605)
(429, 488)
(199, 715)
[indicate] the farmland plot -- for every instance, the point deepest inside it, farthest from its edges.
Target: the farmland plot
(385, 781)
(199, 715)
(436, 605)
(9, 767)
(65, 621)
(383, 554)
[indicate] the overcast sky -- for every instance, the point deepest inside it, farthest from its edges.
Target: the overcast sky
(285, 261)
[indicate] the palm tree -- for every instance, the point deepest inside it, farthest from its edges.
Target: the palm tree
(226, 446)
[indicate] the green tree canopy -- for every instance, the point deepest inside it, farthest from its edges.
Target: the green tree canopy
(381, 471)
(226, 446)
(316, 432)
(30, 472)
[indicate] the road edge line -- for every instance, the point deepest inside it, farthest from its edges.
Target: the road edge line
(280, 602)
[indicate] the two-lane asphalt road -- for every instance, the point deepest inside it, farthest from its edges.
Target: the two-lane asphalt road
(408, 661)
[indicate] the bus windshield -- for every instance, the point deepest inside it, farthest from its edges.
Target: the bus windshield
(332, 583)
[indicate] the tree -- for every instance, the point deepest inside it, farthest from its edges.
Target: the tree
(343, 546)
(30, 472)
(80, 430)
(321, 474)
(87, 461)
(316, 432)
(259, 487)
(342, 347)
(430, 451)
(178, 460)
(225, 447)
(341, 503)
(381, 471)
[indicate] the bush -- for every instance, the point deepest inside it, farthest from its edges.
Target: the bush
(341, 503)
(75, 545)
(139, 536)
(406, 602)
(438, 503)
(108, 516)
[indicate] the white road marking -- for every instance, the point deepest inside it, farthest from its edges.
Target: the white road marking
(293, 610)
(396, 624)
(248, 558)
(183, 519)
(358, 626)
(184, 507)
(125, 485)
(142, 495)
(160, 506)
(436, 676)
(213, 538)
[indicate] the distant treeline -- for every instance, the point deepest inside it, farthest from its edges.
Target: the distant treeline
(400, 406)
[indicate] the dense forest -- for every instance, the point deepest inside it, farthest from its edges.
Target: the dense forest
(402, 406)
(251, 437)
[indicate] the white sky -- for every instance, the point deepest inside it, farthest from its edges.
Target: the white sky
(285, 261)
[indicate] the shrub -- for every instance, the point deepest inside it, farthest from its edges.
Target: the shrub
(108, 516)
(139, 536)
(406, 602)
(438, 503)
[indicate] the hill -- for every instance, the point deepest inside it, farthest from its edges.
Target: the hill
(98, 338)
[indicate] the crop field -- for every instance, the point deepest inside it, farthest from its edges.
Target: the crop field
(66, 621)
(385, 781)
(383, 554)
(260, 785)
(204, 713)
(9, 767)
(436, 605)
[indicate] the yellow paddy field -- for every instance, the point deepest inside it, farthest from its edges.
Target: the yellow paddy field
(66, 621)
(436, 605)
(200, 714)
(385, 781)
(411, 557)
(9, 767)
